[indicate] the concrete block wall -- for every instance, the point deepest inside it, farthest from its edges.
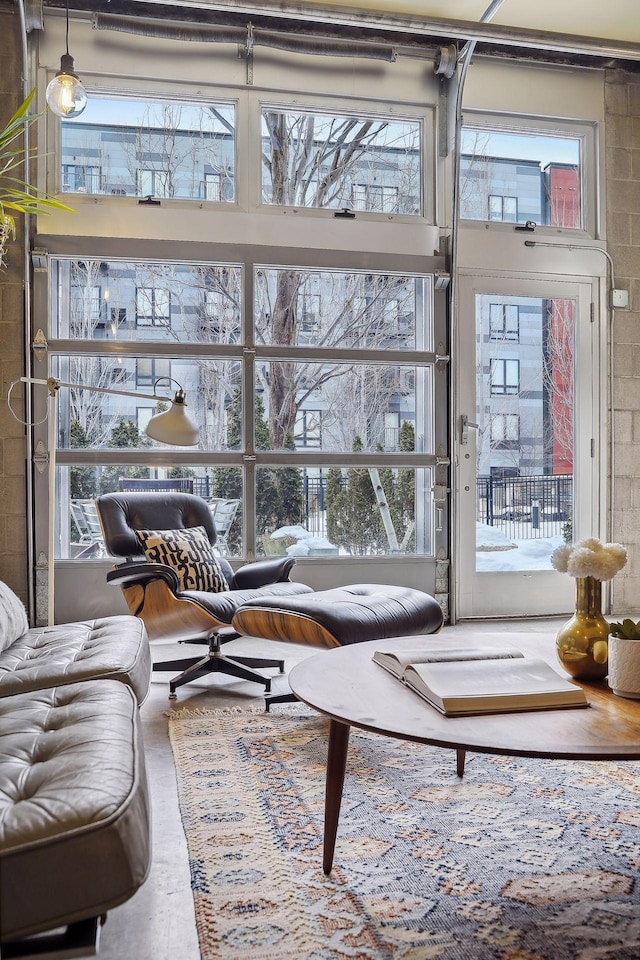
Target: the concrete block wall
(13, 510)
(622, 165)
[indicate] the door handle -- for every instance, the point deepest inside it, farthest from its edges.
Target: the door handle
(465, 423)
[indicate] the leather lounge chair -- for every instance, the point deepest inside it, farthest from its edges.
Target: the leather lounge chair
(172, 592)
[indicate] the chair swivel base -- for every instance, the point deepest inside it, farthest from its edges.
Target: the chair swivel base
(270, 698)
(216, 662)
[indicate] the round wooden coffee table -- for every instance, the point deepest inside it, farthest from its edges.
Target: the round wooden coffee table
(345, 685)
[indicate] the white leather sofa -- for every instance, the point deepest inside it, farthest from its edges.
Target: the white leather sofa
(74, 804)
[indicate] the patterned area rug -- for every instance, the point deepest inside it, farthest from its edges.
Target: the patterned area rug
(521, 860)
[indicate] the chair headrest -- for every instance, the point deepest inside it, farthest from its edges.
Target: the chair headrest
(121, 514)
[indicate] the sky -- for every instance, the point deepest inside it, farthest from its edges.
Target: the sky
(521, 147)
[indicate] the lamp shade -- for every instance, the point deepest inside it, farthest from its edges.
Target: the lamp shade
(65, 94)
(174, 425)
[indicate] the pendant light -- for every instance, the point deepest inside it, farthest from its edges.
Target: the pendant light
(65, 94)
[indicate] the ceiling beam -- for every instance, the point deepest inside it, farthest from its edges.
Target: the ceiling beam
(399, 28)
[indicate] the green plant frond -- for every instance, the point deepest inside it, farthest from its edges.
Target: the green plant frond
(23, 108)
(43, 204)
(20, 115)
(16, 194)
(24, 207)
(14, 131)
(10, 160)
(626, 629)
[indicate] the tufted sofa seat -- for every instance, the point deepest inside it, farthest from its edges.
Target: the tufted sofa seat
(74, 806)
(109, 648)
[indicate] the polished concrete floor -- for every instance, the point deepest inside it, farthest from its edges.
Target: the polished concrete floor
(158, 922)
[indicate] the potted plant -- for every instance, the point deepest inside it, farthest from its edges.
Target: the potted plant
(16, 195)
(624, 658)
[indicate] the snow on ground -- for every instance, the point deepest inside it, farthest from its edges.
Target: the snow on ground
(495, 552)
(524, 555)
(492, 538)
(306, 541)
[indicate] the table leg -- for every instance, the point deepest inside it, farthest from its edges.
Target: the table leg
(336, 765)
(460, 758)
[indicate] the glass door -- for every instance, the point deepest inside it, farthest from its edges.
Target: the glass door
(526, 442)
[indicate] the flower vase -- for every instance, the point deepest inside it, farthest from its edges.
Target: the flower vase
(582, 643)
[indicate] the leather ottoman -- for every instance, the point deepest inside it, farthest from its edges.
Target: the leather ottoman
(333, 618)
(74, 807)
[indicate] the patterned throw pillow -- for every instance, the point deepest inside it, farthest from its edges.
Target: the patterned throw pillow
(189, 553)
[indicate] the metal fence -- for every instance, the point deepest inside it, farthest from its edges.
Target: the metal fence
(522, 507)
(525, 507)
(315, 495)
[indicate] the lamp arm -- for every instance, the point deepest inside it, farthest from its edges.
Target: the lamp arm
(53, 385)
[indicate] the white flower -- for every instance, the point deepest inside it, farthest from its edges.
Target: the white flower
(560, 558)
(590, 558)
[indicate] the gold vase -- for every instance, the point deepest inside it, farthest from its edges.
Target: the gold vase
(582, 643)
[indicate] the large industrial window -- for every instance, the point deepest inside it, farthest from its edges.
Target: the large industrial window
(311, 374)
(380, 373)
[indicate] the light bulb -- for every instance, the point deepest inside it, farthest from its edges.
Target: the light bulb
(65, 94)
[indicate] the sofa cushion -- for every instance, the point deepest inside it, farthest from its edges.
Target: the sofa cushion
(74, 805)
(13, 617)
(189, 553)
(111, 647)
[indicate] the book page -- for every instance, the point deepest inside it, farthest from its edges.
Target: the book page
(490, 678)
(399, 659)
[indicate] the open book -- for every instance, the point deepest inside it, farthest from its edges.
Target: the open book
(459, 681)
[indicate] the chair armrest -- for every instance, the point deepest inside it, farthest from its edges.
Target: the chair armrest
(262, 572)
(127, 574)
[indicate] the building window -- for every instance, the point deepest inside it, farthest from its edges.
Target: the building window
(504, 321)
(79, 178)
(308, 428)
(153, 307)
(505, 378)
(392, 431)
(375, 197)
(305, 364)
(154, 183)
(86, 305)
(505, 429)
(213, 187)
(118, 316)
(150, 369)
(309, 313)
(503, 208)
(221, 321)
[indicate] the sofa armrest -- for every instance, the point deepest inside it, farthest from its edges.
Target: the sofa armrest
(128, 574)
(262, 572)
